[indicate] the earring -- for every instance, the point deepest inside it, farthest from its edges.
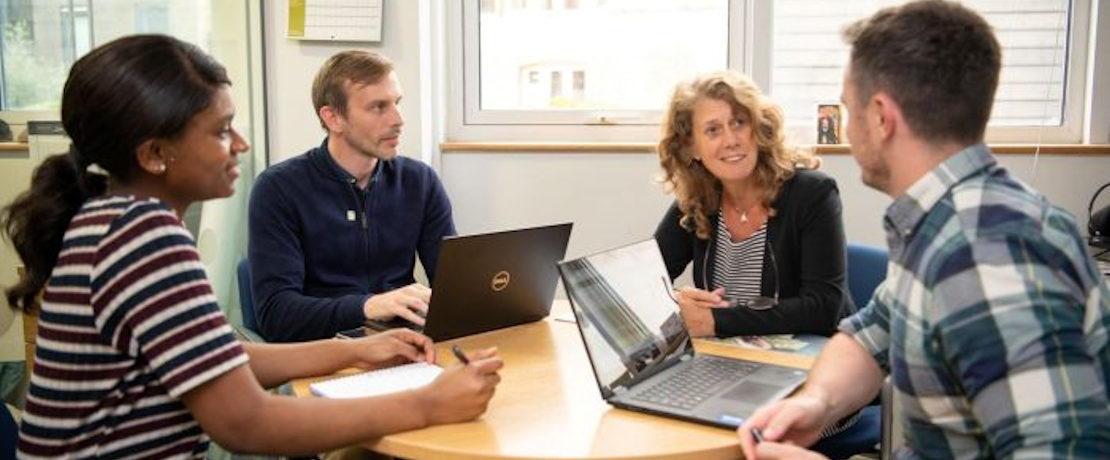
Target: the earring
(160, 168)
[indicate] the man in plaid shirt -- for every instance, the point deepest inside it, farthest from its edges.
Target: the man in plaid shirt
(993, 320)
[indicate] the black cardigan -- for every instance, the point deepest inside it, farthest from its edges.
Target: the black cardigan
(807, 238)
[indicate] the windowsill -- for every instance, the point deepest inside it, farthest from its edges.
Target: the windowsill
(649, 147)
(13, 146)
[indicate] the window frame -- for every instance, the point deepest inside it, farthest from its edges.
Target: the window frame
(1074, 117)
(17, 119)
(467, 122)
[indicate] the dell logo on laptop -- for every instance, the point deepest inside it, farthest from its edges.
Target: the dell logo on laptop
(500, 281)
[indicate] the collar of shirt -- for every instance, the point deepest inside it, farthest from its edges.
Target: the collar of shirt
(345, 176)
(906, 212)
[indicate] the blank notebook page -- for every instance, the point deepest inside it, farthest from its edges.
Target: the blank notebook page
(378, 382)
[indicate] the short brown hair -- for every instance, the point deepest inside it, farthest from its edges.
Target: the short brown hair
(698, 192)
(937, 59)
(354, 66)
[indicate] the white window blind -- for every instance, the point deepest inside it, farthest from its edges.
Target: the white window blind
(609, 55)
(809, 56)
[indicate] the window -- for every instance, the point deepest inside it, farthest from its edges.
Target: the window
(42, 39)
(606, 68)
(584, 62)
(636, 47)
(808, 58)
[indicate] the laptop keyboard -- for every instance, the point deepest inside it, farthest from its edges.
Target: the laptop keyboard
(700, 380)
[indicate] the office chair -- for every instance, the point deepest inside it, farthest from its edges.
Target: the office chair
(9, 432)
(866, 269)
(246, 303)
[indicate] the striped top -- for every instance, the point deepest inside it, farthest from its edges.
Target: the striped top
(738, 267)
(128, 325)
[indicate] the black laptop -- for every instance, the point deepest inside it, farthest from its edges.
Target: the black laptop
(490, 281)
(641, 353)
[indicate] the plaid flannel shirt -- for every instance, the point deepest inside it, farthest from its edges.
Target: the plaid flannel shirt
(992, 321)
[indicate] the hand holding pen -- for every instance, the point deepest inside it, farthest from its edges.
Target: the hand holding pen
(457, 350)
(463, 392)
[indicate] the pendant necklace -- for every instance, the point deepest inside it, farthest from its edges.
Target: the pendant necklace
(743, 214)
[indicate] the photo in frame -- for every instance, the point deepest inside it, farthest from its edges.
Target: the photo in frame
(829, 118)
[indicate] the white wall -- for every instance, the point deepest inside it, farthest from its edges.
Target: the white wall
(613, 199)
(292, 64)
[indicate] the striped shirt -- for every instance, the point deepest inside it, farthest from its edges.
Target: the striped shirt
(738, 267)
(992, 321)
(128, 325)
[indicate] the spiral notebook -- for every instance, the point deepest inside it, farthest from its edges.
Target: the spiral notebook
(377, 382)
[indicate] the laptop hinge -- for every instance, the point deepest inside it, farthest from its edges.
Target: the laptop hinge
(619, 390)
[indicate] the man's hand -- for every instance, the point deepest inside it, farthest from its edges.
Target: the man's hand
(696, 307)
(784, 451)
(391, 348)
(409, 303)
(797, 420)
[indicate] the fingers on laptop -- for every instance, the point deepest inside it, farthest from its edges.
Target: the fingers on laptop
(419, 290)
(409, 312)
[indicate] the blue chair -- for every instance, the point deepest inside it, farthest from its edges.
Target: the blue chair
(866, 269)
(9, 432)
(246, 298)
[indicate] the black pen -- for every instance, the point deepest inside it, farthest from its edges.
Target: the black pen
(459, 354)
(758, 435)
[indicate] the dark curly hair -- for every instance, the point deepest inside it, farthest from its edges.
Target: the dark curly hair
(117, 96)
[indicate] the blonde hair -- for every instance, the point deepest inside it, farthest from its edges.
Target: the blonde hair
(699, 192)
(355, 66)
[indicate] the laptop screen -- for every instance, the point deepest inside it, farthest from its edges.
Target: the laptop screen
(629, 322)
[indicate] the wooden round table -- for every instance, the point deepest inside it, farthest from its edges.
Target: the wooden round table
(548, 406)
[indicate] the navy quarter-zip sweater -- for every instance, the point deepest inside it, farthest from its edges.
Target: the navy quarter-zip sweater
(320, 246)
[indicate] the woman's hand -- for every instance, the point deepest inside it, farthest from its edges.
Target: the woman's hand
(391, 348)
(462, 392)
(696, 307)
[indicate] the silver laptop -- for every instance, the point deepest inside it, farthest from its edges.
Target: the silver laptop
(641, 352)
(489, 281)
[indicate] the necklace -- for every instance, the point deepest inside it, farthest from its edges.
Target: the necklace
(744, 213)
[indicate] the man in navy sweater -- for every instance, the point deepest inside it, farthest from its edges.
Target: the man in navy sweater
(334, 233)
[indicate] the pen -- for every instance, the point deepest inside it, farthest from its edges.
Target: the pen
(459, 354)
(758, 435)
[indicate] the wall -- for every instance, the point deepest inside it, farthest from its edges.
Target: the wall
(292, 64)
(611, 197)
(613, 200)
(15, 177)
